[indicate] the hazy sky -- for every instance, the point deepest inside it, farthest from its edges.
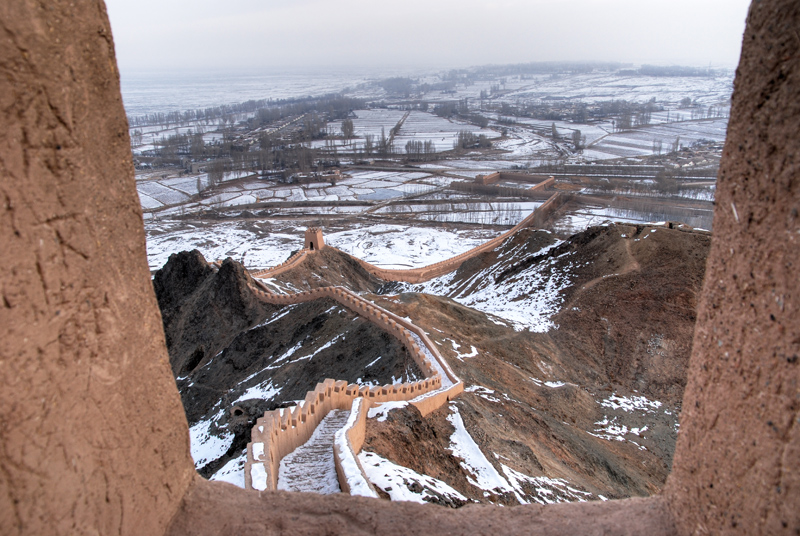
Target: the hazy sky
(309, 34)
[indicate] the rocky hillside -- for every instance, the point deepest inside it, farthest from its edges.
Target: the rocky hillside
(573, 354)
(235, 357)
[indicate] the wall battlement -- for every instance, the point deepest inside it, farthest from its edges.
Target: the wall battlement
(280, 431)
(313, 239)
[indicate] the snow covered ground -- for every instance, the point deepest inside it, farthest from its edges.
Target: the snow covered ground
(401, 246)
(207, 441)
(579, 220)
(233, 471)
(525, 301)
(391, 246)
(628, 418)
(484, 475)
(219, 240)
(403, 484)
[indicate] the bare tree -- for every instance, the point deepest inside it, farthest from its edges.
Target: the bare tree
(657, 145)
(577, 140)
(348, 130)
(369, 144)
(216, 170)
(625, 121)
(676, 145)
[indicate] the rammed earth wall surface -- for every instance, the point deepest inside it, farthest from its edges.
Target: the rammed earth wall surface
(92, 434)
(94, 440)
(737, 460)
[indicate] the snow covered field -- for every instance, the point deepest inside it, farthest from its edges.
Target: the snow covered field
(157, 193)
(577, 221)
(391, 246)
(398, 246)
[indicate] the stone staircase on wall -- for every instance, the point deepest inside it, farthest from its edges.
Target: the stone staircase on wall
(281, 431)
(311, 467)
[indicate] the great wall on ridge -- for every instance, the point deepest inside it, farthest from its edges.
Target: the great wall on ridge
(281, 431)
(95, 438)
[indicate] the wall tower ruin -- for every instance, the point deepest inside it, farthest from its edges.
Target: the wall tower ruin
(314, 240)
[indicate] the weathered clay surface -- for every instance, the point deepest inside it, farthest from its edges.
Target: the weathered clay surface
(737, 461)
(93, 438)
(304, 514)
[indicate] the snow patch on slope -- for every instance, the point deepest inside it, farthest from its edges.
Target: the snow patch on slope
(233, 471)
(525, 300)
(263, 391)
(631, 403)
(207, 445)
(484, 475)
(381, 411)
(403, 484)
(544, 490)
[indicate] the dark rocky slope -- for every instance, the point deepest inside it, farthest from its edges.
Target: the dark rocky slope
(235, 357)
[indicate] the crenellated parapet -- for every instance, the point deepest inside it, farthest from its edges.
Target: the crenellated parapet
(280, 431)
(290, 263)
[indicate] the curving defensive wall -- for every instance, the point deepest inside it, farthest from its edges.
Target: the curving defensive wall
(290, 263)
(541, 182)
(280, 431)
(425, 273)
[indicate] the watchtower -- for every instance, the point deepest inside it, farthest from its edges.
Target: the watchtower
(314, 241)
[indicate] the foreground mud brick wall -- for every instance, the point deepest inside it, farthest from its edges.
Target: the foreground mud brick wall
(93, 439)
(737, 460)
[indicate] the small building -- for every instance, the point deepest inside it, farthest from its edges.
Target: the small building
(314, 240)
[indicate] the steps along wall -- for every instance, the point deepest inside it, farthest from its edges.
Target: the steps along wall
(281, 431)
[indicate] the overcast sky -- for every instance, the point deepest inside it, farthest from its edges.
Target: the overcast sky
(409, 34)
